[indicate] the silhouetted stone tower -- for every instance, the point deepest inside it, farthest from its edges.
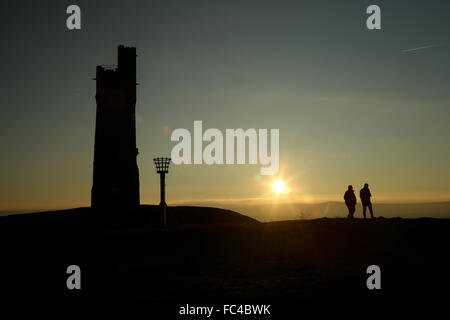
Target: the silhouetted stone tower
(116, 174)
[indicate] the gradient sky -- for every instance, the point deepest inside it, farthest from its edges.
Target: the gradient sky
(351, 106)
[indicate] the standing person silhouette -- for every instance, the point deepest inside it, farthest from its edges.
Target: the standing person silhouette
(350, 201)
(365, 195)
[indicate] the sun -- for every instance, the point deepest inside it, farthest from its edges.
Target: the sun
(279, 186)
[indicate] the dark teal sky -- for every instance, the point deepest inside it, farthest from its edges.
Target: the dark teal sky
(350, 105)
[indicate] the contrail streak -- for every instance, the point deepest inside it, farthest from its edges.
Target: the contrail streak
(420, 48)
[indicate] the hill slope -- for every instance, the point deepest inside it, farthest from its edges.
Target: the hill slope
(280, 263)
(144, 216)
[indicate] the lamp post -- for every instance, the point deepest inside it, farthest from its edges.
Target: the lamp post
(162, 167)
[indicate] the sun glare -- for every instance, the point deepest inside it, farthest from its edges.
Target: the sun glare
(279, 186)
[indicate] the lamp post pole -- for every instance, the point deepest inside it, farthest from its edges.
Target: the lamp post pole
(162, 203)
(162, 176)
(162, 167)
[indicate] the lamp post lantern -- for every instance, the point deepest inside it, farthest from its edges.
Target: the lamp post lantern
(162, 167)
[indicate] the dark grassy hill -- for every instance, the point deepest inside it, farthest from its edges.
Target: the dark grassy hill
(144, 216)
(218, 256)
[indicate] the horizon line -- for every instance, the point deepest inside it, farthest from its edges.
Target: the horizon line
(224, 202)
